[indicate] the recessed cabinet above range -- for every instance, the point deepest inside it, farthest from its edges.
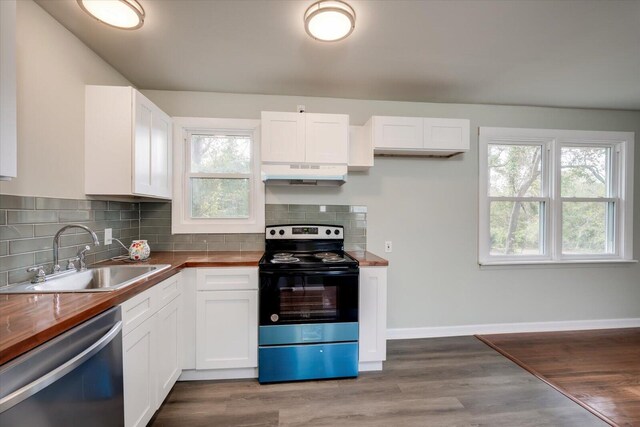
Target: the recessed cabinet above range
(418, 135)
(127, 144)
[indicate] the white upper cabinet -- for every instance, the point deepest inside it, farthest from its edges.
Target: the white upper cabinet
(397, 132)
(305, 138)
(127, 144)
(418, 136)
(8, 135)
(360, 148)
(327, 138)
(282, 137)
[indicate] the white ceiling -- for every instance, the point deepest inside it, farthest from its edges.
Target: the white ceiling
(578, 53)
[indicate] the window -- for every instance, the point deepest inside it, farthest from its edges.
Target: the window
(217, 176)
(555, 196)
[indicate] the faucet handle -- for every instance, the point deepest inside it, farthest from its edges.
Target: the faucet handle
(40, 274)
(81, 255)
(70, 264)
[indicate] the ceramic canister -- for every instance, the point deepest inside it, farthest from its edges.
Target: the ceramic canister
(139, 250)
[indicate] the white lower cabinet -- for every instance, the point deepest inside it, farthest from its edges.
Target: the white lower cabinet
(152, 349)
(139, 378)
(373, 317)
(169, 322)
(227, 329)
(225, 321)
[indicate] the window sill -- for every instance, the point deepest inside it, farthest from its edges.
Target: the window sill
(562, 263)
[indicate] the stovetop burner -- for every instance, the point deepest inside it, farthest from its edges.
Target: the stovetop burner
(284, 260)
(334, 260)
(283, 255)
(323, 255)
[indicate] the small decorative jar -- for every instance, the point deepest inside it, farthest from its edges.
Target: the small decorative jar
(139, 250)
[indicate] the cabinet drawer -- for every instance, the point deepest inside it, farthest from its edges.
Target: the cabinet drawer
(226, 279)
(168, 290)
(138, 309)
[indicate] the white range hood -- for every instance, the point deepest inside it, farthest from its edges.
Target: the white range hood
(304, 174)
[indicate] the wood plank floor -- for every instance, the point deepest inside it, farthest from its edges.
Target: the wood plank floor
(600, 369)
(430, 382)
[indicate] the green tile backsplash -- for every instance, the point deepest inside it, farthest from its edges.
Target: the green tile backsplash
(28, 224)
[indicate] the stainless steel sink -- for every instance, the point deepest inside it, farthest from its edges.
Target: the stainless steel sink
(94, 279)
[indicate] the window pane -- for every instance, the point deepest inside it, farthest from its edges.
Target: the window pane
(587, 227)
(585, 171)
(515, 228)
(219, 198)
(220, 154)
(515, 170)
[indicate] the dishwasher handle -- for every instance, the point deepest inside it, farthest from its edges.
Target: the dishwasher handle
(32, 388)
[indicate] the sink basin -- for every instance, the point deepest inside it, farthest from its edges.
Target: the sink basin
(95, 279)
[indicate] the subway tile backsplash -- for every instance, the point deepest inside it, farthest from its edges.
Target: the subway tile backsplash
(28, 224)
(155, 227)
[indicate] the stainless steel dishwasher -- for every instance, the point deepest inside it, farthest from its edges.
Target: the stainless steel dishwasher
(73, 379)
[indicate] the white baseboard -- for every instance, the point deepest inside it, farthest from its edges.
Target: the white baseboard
(505, 328)
(218, 374)
(369, 366)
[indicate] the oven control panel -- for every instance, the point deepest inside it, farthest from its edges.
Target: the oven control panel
(316, 232)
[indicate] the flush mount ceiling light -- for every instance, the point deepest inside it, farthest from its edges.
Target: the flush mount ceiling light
(123, 14)
(329, 20)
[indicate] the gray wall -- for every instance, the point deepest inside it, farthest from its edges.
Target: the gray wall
(429, 209)
(53, 67)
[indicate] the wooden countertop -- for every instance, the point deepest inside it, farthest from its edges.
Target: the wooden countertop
(28, 320)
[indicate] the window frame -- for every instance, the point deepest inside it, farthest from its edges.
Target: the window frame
(181, 220)
(552, 141)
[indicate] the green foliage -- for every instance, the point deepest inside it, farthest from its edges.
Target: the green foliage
(217, 196)
(515, 171)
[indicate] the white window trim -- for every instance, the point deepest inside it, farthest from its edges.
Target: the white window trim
(181, 222)
(551, 140)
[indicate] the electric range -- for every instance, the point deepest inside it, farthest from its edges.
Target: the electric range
(308, 305)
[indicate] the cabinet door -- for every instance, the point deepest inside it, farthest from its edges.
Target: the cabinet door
(8, 138)
(169, 328)
(446, 134)
(143, 124)
(139, 374)
(373, 314)
(327, 138)
(226, 329)
(282, 136)
(152, 149)
(161, 154)
(397, 132)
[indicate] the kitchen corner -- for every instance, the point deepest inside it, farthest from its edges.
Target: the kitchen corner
(31, 319)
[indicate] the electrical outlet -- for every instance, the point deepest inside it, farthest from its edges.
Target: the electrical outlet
(387, 246)
(108, 236)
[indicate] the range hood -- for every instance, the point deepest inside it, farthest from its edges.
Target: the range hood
(304, 174)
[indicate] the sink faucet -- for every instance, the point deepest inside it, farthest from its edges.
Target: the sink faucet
(56, 238)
